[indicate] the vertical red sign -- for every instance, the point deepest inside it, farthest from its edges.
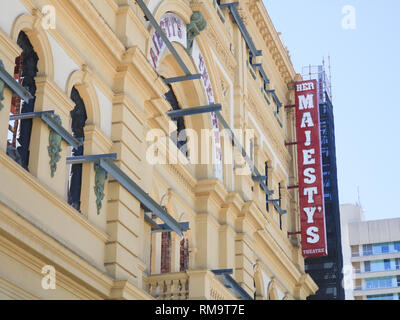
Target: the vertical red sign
(311, 190)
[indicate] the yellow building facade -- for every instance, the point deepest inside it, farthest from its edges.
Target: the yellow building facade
(106, 56)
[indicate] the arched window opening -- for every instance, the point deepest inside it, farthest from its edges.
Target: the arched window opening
(166, 252)
(179, 136)
(79, 117)
(184, 254)
(19, 131)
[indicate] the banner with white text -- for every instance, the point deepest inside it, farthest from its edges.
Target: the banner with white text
(311, 190)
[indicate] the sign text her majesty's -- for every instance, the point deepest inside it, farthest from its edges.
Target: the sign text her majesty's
(176, 31)
(311, 192)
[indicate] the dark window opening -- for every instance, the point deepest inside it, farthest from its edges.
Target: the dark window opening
(184, 254)
(19, 131)
(79, 117)
(266, 183)
(179, 136)
(166, 252)
(280, 204)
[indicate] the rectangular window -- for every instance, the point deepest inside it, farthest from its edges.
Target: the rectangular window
(398, 281)
(381, 297)
(367, 249)
(386, 263)
(385, 248)
(367, 266)
(355, 251)
(397, 246)
(397, 263)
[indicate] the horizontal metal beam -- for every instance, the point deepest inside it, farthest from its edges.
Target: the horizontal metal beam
(222, 271)
(91, 158)
(279, 209)
(161, 228)
(184, 78)
(249, 41)
(17, 88)
(275, 97)
(46, 118)
(61, 131)
(146, 201)
(163, 36)
(173, 114)
(259, 178)
(29, 115)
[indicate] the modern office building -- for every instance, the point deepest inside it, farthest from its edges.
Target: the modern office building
(327, 271)
(374, 247)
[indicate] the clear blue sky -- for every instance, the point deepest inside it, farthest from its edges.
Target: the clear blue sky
(365, 66)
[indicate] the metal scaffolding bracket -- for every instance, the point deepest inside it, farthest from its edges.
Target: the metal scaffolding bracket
(147, 202)
(173, 114)
(29, 115)
(236, 143)
(91, 158)
(46, 118)
(232, 283)
(275, 97)
(279, 209)
(249, 41)
(161, 228)
(15, 87)
(183, 78)
(264, 75)
(259, 178)
(161, 33)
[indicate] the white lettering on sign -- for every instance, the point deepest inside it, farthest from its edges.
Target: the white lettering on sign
(175, 30)
(202, 68)
(307, 121)
(313, 236)
(306, 102)
(305, 86)
(311, 190)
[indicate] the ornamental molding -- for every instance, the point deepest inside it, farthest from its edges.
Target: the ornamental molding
(218, 36)
(278, 51)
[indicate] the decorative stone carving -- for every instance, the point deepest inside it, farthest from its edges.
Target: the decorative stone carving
(197, 24)
(2, 85)
(54, 147)
(100, 179)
